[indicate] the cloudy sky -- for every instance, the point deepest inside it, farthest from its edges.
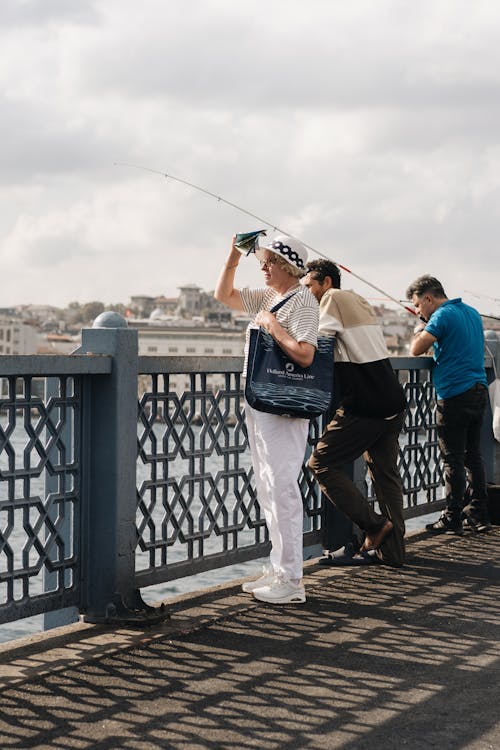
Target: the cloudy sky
(369, 128)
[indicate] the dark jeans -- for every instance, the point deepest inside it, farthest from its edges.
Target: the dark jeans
(459, 421)
(346, 438)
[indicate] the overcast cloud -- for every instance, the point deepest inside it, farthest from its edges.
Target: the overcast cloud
(368, 129)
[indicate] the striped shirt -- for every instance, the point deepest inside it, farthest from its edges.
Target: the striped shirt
(299, 317)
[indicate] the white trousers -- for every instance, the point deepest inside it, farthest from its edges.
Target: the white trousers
(278, 446)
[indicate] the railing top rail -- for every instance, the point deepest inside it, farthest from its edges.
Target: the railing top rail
(101, 364)
(412, 363)
(424, 363)
(54, 364)
(174, 365)
(180, 364)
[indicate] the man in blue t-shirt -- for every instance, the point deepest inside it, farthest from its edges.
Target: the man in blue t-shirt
(455, 332)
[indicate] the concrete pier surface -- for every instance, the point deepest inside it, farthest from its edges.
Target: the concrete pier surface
(376, 658)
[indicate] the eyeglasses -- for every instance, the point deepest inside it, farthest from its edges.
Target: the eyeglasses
(269, 262)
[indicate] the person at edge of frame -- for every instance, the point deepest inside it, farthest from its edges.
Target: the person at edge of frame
(367, 422)
(277, 443)
(454, 330)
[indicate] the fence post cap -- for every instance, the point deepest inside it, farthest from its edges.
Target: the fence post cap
(110, 319)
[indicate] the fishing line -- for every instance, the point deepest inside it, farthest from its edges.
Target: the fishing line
(270, 224)
(483, 315)
(482, 296)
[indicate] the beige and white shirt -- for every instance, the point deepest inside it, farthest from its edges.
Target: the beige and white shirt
(368, 384)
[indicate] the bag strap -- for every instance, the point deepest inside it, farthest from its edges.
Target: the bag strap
(283, 302)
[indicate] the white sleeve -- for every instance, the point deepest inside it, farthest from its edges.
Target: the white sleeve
(329, 325)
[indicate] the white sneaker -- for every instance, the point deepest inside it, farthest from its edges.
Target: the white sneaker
(267, 577)
(280, 591)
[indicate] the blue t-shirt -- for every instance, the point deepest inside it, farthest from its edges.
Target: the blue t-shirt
(459, 349)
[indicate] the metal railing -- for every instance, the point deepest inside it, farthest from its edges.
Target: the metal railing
(41, 497)
(197, 508)
(197, 504)
(104, 491)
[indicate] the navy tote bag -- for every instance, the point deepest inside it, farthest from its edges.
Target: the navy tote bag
(277, 385)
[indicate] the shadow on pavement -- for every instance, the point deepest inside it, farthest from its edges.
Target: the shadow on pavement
(377, 657)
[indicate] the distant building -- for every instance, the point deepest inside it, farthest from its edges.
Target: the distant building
(40, 314)
(397, 328)
(8, 312)
(188, 338)
(17, 338)
(141, 305)
(190, 299)
(491, 323)
(57, 343)
(167, 305)
(192, 302)
(192, 340)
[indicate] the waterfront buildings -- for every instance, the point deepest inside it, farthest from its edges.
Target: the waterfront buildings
(17, 337)
(165, 336)
(191, 324)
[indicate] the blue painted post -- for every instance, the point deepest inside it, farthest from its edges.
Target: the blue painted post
(109, 513)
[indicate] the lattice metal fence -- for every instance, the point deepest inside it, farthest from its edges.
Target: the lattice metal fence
(419, 458)
(191, 491)
(43, 460)
(39, 494)
(197, 506)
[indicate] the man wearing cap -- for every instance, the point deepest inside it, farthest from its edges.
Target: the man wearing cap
(367, 422)
(277, 443)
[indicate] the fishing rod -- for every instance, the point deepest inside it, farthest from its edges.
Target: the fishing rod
(486, 315)
(270, 224)
(482, 296)
(483, 315)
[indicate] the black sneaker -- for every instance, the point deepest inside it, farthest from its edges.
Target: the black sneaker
(473, 523)
(445, 525)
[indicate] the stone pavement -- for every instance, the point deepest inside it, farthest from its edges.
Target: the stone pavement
(377, 658)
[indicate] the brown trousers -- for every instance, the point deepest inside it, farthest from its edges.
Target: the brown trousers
(346, 438)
